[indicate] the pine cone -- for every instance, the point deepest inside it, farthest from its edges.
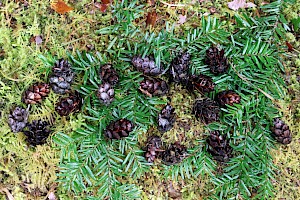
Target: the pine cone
(154, 87)
(180, 67)
(68, 104)
(106, 93)
(37, 132)
(228, 97)
(146, 65)
(154, 144)
(281, 132)
(108, 74)
(62, 77)
(219, 147)
(35, 93)
(17, 119)
(206, 110)
(174, 154)
(166, 118)
(201, 83)
(216, 60)
(118, 129)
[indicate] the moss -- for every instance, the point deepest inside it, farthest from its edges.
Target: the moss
(286, 158)
(292, 11)
(297, 63)
(290, 37)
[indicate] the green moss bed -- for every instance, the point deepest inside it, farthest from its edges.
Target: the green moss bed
(77, 162)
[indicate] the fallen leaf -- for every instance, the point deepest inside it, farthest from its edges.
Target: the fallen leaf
(52, 196)
(90, 47)
(151, 18)
(37, 39)
(2, 53)
(60, 7)
(102, 6)
(182, 19)
(173, 193)
(212, 10)
(237, 4)
(105, 1)
(290, 47)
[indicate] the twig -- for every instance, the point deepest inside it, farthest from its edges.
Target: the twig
(16, 80)
(8, 194)
(173, 5)
(296, 50)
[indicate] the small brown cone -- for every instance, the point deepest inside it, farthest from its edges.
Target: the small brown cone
(174, 154)
(206, 110)
(62, 77)
(228, 97)
(201, 83)
(281, 132)
(154, 87)
(106, 93)
(166, 118)
(180, 68)
(218, 146)
(153, 148)
(216, 60)
(118, 129)
(146, 65)
(108, 74)
(68, 104)
(35, 93)
(17, 119)
(37, 132)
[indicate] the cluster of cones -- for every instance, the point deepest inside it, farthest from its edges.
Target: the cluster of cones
(172, 154)
(206, 110)
(60, 81)
(106, 93)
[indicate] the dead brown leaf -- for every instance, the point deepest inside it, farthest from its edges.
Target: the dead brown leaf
(2, 53)
(290, 47)
(105, 1)
(60, 7)
(151, 18)
(102, 6)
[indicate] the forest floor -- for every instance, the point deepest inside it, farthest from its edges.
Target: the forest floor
(31, 29)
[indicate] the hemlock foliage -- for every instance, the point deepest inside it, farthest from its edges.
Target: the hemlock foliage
(92, 164)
